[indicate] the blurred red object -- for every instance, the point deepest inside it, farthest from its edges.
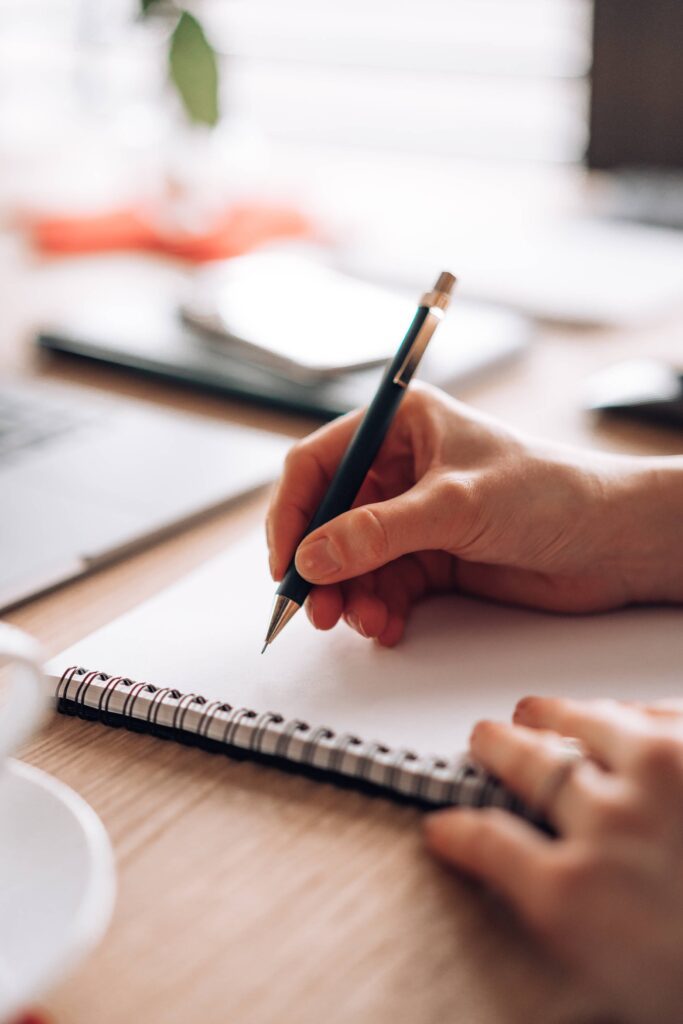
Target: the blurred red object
(243, 227)
(32, 1018)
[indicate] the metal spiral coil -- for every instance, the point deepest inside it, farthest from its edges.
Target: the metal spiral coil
(269, 736)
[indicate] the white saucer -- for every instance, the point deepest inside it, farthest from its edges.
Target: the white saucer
(56, 883)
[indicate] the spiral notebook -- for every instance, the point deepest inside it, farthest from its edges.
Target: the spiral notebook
(186, 665)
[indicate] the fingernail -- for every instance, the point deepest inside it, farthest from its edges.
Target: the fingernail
(354, 623)
(484, 726)
(523, 707)
(317, 559)
(269, 544)
(309, 612)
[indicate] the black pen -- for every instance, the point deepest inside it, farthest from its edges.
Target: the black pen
(366, 442)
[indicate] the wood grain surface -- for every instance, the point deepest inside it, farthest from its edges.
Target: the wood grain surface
(252, 896)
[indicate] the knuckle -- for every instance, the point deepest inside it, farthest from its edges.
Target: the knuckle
(451, 487)
(293, 456)
(367, 524)
(461, 499)
(457, 494)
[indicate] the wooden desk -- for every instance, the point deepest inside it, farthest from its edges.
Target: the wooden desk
(251, 896)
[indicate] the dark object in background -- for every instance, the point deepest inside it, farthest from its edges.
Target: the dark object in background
(125, 313)
(643, 389)
(636, 107)
(636, 110)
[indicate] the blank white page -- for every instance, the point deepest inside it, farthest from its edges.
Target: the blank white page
(461, 659)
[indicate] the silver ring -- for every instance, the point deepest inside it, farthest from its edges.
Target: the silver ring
(550, 787)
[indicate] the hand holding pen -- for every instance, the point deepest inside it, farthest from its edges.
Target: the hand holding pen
(456, 501)
(355, 462)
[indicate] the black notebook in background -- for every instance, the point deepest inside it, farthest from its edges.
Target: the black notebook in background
(124, 311)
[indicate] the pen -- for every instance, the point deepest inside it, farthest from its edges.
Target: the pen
(366, 442)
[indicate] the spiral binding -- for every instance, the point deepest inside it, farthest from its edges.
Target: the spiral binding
(269, 736)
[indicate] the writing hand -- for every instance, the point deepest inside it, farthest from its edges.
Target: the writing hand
(455, 501)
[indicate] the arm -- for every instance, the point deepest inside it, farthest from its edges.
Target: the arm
(653, 497)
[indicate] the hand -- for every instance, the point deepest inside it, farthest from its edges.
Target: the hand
(455, 501)
(607, 896)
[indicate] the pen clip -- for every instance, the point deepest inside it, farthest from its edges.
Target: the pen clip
(417, 349)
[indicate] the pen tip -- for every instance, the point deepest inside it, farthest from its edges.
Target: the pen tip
(264, 647)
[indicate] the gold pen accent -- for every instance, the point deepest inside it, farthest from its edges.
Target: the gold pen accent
(437, 302)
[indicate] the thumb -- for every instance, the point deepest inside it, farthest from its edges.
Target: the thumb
(368, 537)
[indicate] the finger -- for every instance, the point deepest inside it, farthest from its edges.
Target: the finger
(547, 771)
(364, 611)
(363, 539)
(324, 606)
(503, 851)
(609, 730)
(308, 469)
(391, 587)
(393, 634)
(529, 762)
(667, 708)
(403, 582)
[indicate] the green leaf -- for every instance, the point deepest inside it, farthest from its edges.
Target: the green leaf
(146, 4)
(194, 70)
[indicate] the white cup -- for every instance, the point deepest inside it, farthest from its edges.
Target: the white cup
(23, 698)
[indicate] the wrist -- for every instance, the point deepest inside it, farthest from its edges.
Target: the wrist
(647, 509)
